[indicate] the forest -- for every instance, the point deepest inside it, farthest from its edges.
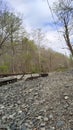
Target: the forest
(20, 53)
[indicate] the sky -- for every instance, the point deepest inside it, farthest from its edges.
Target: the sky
(37, 15)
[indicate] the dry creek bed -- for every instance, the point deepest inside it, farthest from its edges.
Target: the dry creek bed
(39, 104)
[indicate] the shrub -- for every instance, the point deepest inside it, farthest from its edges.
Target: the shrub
(4, 69)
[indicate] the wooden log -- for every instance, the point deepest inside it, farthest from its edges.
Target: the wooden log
(7, 81)
(15, 74)
(35, 77)
(32, 77)
(3, 128)
(44, 74)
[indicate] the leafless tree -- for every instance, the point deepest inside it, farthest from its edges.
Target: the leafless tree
(9, 24)
(64, 12)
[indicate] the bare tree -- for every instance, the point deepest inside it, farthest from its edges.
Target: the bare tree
(9, 24)
(3, 24)
(64, 11)
(14, 26)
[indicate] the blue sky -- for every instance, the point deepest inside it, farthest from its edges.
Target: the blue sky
(36, 14)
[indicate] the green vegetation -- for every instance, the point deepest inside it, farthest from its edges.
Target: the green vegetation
(20, 54)
(61, 69)
(4, 69)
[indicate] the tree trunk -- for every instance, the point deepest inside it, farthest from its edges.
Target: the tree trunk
(67, 39)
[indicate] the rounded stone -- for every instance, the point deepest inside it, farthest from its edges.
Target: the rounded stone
(42, 124)
(45, 119)
(60, 123)
(66, 97)
(39, 117)
(50, 116)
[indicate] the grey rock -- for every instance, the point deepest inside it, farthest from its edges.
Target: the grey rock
(1, 112)
(68, 129)
(51, 108)
(42, 128)
(66, 97)
(52, 128)
(45, 119)
(67, 86)
(51, 116)
(13, 126)
(28, 125)
(66, 106)
(42, 124)
(4, 127)
(2, 107)
(23, 127)
(60, 123)
(19, 112)
(19, 102)
(11, 116)
(71, 113)
(65, 94)
(4, 118)
(39, 117)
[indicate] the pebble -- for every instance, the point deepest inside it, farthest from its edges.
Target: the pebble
(1, 112)
(42, 128)
(4, 127)
(52, 128)
(42, 124)
(2, 107)
(45, 119)
(11, 116)
(23, 128)
(65, 94)
(39, 117)
(50, 116)
(4, 118)
(51, 108)
(19, 102)
(13, 126)
(66, 97)
(70, 113)
(28, 125)
(66, 106)
(60, 123)
(67, 86)
(19, 112)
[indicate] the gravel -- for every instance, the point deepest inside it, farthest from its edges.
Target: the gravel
(45, 103)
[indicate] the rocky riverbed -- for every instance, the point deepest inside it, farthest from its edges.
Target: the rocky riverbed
(38, 104)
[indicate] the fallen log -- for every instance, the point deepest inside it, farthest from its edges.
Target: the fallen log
(44, 74)
(15, 74)
(7, 81)
(35, 77)
(32, 77)
(3, 128)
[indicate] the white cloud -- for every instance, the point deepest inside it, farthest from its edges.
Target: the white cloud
(35, 12)
(37, 15)
(57, 42)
